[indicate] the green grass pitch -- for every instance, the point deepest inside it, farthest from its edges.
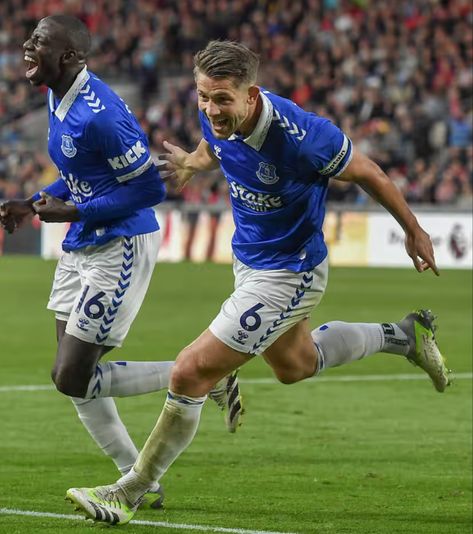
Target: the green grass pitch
(328, 457)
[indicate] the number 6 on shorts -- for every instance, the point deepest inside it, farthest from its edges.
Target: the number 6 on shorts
(255, 320)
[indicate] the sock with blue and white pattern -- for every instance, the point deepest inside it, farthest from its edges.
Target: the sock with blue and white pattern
(126, 379)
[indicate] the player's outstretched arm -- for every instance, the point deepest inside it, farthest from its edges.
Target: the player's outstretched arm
(364, 172)
(179, 165)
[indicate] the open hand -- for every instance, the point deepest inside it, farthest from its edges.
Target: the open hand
(172, 166)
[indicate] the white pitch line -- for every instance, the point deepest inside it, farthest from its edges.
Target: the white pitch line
(33, 387)
(359, 378)
(165, 524)
(324, 379)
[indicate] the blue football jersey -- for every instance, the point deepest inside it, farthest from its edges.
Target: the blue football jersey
(97, 144)
(278, 179)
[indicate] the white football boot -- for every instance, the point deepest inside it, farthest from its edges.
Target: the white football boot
(227, 395)
(420, 329)
(104, 504)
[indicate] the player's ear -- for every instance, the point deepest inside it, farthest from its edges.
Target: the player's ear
(69, 57)
(253, 92)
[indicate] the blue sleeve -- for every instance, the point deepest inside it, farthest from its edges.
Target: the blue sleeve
(325, 149)
(57, 189)
(143, 192)
(205, 126)
(121, 141)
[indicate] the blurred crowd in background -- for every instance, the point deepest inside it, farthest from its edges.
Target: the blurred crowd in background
(396, 76)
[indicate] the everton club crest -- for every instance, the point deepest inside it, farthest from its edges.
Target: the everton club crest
(267, 173)
(67, 146)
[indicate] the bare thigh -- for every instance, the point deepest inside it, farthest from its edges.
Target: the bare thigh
(293, 355)
(202, 364)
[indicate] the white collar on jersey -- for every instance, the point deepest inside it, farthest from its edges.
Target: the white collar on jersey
(70, 96)
(258, 135)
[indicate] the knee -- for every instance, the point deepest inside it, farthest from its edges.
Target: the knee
(184, 371)
(289, 376)
(300, 370)
(189, 374)
(70, 383)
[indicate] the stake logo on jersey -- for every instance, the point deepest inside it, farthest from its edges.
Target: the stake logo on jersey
(78, 190)
(254, 201)
(278, 179)
(67, 146)
(97, 145)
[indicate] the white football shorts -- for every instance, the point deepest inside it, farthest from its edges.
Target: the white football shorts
(265, 304)
(99, 290)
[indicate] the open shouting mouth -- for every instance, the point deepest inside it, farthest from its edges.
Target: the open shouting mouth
(31, 65)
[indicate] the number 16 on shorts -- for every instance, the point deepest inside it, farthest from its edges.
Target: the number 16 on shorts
(93, 307)
(93, 316)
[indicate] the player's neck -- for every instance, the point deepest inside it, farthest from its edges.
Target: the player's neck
(64, 84)
(252, 120)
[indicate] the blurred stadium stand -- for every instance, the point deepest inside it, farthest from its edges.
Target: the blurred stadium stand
(396, 76)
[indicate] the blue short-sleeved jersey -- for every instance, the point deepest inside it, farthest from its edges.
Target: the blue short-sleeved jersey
(97, 144)
(278, 180)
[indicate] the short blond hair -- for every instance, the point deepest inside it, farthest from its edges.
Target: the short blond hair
(227, 59)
